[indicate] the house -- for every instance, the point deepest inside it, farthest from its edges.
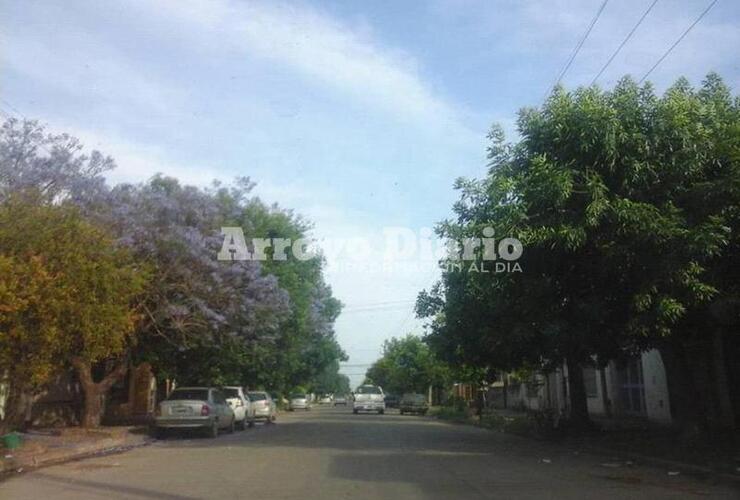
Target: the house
(133, 399)
(634, 388)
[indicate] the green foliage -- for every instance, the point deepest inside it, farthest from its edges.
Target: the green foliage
(66, 291)
(626, 204)
(407, 365)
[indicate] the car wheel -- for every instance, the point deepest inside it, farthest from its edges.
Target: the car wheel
(242, 424)
(251, 423)
(160, 433)
(401, 412)
(213, 430)
(381, 412)
(232, 426)
(355, 412)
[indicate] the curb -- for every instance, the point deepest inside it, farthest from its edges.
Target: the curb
(689, 469)
(637, 458)
(109, 446)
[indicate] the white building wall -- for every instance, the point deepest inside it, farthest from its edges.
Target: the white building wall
(657, 404)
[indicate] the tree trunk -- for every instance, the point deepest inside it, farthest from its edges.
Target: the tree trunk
(725, 413)
(684, 400)
(605, 393)
(579, 417)
(14, 413)
(94, 392)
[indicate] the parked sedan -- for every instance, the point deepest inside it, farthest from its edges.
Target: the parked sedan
(299, 402)
(413, 403)
(194, 408)
(264, 406)
(239, 402)
(340, 400)
(391, 401)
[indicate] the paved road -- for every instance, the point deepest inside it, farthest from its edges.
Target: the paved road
(331, 454)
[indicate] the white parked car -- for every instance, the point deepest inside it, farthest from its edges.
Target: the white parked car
(264, 407)
(369, 398)
(194, 408)
(299, 402)
(240, 404)
(340, 400)
(325, 399)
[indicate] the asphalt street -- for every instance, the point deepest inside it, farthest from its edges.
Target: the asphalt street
(329, 453)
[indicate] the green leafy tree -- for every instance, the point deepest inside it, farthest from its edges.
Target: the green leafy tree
(622, 201)
(407, 365)
(69, 296)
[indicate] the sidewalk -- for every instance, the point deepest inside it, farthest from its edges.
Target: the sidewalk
(43, 447)
(623, 442)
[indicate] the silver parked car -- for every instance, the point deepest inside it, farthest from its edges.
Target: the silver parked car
(264, 406)
(239, 402)
(299, 402)
(194, 408)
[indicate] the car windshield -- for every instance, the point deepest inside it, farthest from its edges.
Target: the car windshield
(230, 393)
(188, 394)
(368, 389)
(298, 396)
(257, 396)
(414, 398)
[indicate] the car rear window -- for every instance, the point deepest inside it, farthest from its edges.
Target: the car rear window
(183, 394)
(230, 393)
(257, 396)
(368, 389)
(298, 396)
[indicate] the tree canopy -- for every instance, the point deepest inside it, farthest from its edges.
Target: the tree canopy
(626, 205)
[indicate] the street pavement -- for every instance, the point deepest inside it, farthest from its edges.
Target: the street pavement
(329, 453)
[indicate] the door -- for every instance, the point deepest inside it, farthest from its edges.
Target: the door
(632, 387)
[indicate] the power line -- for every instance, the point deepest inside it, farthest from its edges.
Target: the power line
(670, 49)
(624, 42)
(17, 111)
(578, 46)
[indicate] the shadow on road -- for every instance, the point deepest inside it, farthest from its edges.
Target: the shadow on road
(100, 488)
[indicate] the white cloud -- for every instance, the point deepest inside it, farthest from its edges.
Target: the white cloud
(81, 67)
(314, 45)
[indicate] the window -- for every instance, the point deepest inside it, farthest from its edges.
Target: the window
(189, 394)
(368, 389)
(632, 387)
(257, 396)
(218, 398)
(230, 393)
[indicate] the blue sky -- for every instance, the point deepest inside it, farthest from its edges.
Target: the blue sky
(360, 115)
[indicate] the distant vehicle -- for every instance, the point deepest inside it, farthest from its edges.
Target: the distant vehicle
(413, 403)
(194, 408)
(369, 398)
(325, 399)
(340, 400)
(264, 406)
(391, 401)
(239, 402)
(299, 402)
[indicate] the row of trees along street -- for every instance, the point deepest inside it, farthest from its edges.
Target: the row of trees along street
(628, 207)
(95, 278)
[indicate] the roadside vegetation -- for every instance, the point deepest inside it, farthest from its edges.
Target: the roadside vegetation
(95, 278)
(627, 205)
